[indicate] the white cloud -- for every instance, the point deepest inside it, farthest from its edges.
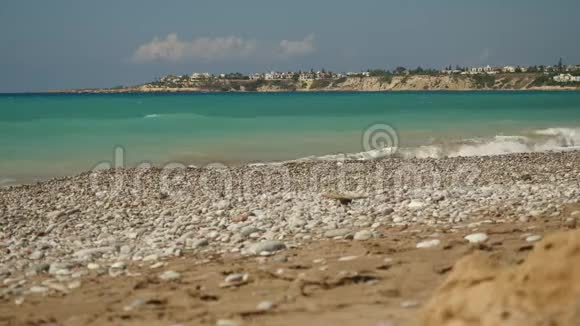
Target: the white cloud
(297, 48)
(173, 49)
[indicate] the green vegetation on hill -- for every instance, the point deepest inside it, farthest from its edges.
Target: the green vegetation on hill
(320, 83)
(483, 81)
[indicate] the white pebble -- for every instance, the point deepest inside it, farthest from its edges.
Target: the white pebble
(428, 243)
(533, 238)
(477, 237)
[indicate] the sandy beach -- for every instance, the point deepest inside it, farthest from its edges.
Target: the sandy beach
(273, 245)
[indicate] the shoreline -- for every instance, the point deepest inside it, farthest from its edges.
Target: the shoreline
(186, 91)
(342, 158)
(501, 82)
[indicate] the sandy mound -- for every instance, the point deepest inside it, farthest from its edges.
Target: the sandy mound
(543, 290)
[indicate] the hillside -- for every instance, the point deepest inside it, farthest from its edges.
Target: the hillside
(521, 81)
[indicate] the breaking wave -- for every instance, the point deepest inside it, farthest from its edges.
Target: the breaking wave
(149, 116)
(552, 139)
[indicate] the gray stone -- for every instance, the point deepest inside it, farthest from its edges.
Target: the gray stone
(38, 289)
(227, 322)
(36, 255)
(199, 243)
(533, 238)
(416, 204)
(119, 265)
(40, 268)
(59, 269)
(428, 243)
(265, 306)
(134, 304)
(93, 252)
(266, 246)
(337, 233)
(363, 235)
(169, 276)
(236, 278)
(476, 238)
(245, 232)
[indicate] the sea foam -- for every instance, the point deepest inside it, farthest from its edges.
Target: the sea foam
(551, 139)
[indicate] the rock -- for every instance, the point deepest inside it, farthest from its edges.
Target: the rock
(575, 214)
(280, 259)
(337, 233)
(533, 238)
(227, 322)
(416, 204)
(542, 288)
(245, 232)
(93, 252)
(266, 246)
(398, 219)
(265, 306)
(344, 199)
(476, 238)
(41, 268)
(55, 214)
(235, 278)
(125, 250)
(169, 276)
(428, 243)
(363, 235)
(36, 255)
(241, 218)
(117, 268)
(59, 269)
(119, 265)
(50, 227)
(135, 304)
(570, 223)
(74, 284)
(347, 258)
(409, 304)
(93, 266)
(56, 286)
(38, 289)
(536, 213)
(152, 257)
(222, 204)
(199, 243)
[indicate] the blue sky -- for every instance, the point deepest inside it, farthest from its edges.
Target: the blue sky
(76, 43)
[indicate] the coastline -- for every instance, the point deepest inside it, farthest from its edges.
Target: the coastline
(518, 82)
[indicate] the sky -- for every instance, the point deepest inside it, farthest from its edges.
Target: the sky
(57, 44)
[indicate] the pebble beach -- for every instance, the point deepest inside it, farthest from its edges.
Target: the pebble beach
(56, 233)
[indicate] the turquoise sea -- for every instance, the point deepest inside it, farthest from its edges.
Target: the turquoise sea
(46, 135)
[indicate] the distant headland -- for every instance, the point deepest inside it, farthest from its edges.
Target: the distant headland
(557, 77)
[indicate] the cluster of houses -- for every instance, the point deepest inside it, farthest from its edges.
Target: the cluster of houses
(313, 75)
(307, 75)
(566, 78)
(507, 69)
(485, 70)
(273, 75)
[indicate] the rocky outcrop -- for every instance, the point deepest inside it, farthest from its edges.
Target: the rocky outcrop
(543, 290)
